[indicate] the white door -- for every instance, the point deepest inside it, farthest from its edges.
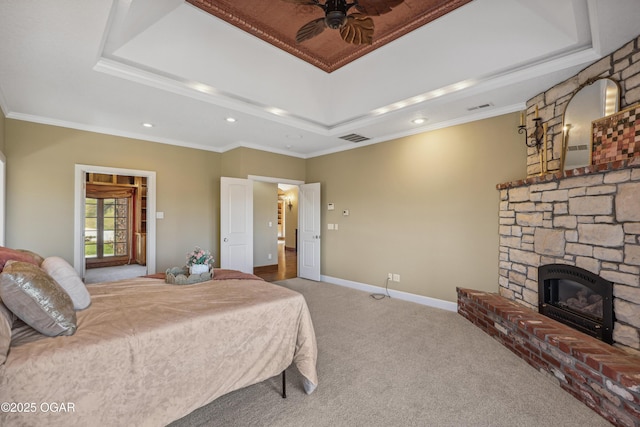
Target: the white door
(236, 224)
(309, 231)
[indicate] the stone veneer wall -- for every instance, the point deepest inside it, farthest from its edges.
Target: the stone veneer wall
(623, 66)
(591, 220)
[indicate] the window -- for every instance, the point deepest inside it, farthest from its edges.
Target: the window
(106, 228)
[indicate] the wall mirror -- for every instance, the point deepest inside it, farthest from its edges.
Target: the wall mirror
(595, 99)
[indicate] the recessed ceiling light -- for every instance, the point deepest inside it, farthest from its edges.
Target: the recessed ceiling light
(147, 125)
(418, 121)
(231, 119)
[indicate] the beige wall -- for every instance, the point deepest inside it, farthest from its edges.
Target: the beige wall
(265, 211)
(242, 162)
(424, 207)
(41, 161)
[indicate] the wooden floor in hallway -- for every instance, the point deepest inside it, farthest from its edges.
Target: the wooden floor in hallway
(286, 268)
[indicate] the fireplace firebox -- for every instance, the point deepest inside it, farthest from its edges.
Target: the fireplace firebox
(578, 298)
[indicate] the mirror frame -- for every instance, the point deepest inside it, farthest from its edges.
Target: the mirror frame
(564, 134)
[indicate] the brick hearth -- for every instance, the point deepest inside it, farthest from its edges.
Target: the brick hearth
(603, 377)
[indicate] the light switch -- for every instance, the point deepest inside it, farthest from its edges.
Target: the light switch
(270, 224)
(330, 226)
(159, 215)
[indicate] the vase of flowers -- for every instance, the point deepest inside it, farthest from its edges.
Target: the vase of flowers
(199, 261)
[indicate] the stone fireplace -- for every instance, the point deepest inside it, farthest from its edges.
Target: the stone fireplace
(591, 221)
(569, 267)
(569, 284)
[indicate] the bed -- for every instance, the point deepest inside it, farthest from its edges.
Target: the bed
(146, 353)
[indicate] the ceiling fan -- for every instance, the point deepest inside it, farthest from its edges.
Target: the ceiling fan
(356, 28)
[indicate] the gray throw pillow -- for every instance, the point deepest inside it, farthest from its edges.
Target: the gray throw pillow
(37, 299)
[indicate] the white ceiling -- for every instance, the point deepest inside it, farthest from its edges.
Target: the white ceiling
(109, 66)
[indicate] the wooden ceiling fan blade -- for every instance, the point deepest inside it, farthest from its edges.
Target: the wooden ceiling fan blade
(310, 30)
(358, 29)
(376, 7)
(304, 2)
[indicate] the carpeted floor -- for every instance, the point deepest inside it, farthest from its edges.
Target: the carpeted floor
(397, 363)
(109, 274)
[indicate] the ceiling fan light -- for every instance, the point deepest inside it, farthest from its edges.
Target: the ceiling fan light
(335, 19)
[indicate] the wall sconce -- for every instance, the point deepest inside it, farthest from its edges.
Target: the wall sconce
(565, 141)
(289, 203)
(538, 133)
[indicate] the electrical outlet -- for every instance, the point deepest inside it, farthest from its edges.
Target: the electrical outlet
(390, 276)
(269, 256)
(396, 277)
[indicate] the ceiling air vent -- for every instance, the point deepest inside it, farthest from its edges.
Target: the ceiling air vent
(354, 137)
(479, 107)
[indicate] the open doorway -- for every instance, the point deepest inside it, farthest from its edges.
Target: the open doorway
(114, 223)
(240, 238)
(115, 227)
(275, 248)
(287, 266)
(287, 231)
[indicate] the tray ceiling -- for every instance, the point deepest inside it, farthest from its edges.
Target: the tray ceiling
(110, 66)
(277, 22)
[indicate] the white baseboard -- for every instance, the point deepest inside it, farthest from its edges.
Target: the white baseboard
(406, 296)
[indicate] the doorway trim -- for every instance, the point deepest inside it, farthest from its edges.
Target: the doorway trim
(78, 212)
(273, 180)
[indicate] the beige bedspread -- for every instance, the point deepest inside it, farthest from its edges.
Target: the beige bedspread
(147, 353)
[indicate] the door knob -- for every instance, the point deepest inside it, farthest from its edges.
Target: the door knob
(226, 240)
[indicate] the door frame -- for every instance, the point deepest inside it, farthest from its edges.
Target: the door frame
(79, 206)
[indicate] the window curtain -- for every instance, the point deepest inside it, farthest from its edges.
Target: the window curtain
(109, 191)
